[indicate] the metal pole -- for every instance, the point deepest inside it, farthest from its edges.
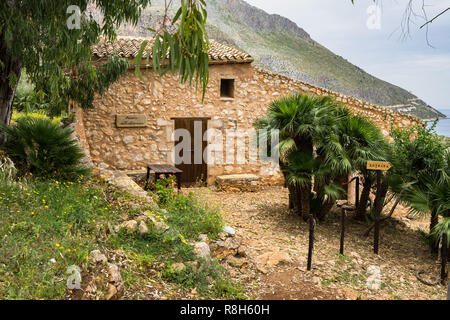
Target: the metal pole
(312, 224)
(376, 233)
(341, 251)
(448, 291)
(444, 258)
(357, 193)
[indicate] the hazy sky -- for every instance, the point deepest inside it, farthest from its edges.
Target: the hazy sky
(342, 28)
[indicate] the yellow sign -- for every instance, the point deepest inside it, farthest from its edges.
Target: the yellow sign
(378, 165)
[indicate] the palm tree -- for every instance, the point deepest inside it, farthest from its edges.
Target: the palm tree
(304, 122)
(363, 141)
(358, 140)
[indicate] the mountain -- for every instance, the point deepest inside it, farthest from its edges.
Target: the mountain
(278, 44)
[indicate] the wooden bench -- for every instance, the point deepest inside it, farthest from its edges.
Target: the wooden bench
(164, 169)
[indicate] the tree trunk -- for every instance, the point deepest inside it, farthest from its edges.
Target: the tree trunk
(305, 194)
(434, 220)
(328, 205)
(364, 199)
(326, 208)
(13, 67)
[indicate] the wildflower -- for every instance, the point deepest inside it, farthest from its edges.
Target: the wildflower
(57, 244)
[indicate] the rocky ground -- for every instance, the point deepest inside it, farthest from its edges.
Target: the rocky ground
(269, 251)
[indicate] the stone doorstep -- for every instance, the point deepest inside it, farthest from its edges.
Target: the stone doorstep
(232, 178)
(238, 182)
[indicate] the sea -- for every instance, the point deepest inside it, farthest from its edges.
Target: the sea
(443, 126)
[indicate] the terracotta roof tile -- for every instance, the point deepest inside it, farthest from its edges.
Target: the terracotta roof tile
(128, 47)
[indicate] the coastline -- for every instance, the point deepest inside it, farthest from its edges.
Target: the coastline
(433, 119)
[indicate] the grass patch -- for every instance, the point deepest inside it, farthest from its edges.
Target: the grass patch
(192, 217)
(42, 221)
(209, 279)
(48, 226)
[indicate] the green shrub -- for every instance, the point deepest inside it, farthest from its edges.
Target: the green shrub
(30, 101)
(43, 149)
(192, 217)
(165, 188)
(40, 115)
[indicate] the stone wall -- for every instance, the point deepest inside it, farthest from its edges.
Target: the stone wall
(382, 116)
(162, 99)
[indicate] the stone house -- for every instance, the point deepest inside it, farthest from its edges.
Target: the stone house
(133, 123)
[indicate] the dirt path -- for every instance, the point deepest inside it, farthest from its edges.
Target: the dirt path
(276, 244)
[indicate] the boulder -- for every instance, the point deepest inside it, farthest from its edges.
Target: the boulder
(180, 266)
(236, 262)
(203, 238)
(229, 231)
(143, 229)
(115, 282)
(232, 243)
(272, 259)
(97, 257)
(202, 251)
(159, 225)
(130, 225)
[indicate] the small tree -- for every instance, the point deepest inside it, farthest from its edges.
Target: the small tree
(45, 38)
(422, 159)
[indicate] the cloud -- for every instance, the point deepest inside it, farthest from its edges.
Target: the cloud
(342, 27)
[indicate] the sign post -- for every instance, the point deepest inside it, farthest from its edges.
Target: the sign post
(378, 166)
(312, 225)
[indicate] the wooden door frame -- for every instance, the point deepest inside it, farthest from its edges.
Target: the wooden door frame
(195, 118)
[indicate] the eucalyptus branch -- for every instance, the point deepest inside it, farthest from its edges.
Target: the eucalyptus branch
(437, 16)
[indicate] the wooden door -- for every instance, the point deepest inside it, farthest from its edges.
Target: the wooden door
(195, 170)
